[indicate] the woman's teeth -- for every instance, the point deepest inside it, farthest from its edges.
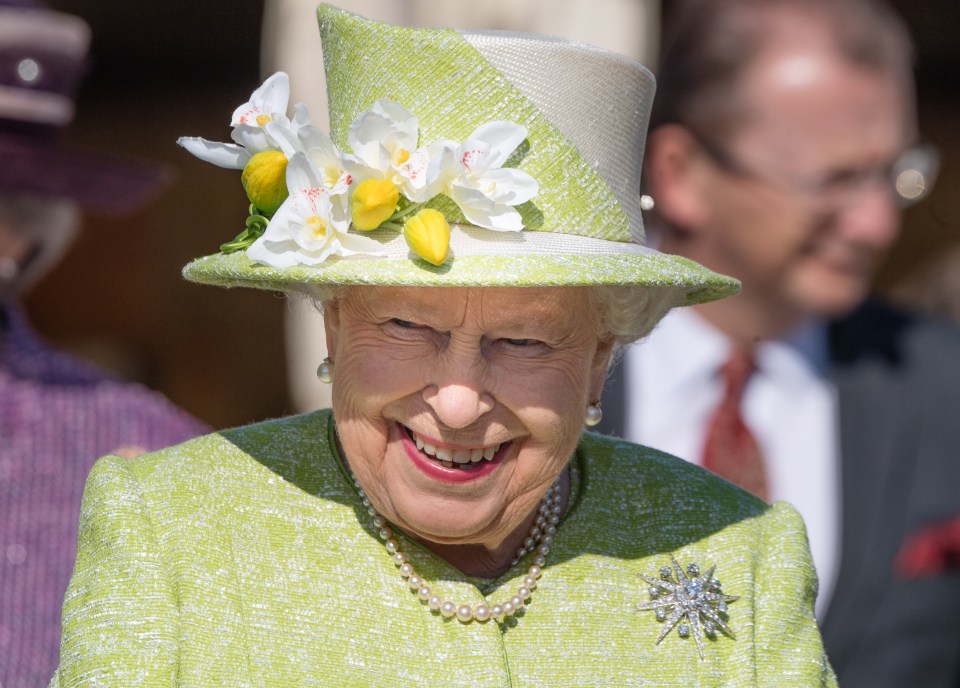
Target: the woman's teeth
(453, 457)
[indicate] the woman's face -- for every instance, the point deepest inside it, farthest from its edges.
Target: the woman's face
(457, 408)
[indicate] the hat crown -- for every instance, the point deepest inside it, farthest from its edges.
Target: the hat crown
(42, 59)
(598, 99)
(586, 109)
(43, 56)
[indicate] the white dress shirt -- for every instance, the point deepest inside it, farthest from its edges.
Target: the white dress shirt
(789, 404)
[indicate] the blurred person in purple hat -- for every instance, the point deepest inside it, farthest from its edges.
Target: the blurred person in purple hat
(57, 413)
(783, 145)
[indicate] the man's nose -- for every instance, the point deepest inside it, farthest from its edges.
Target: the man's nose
(872, 218)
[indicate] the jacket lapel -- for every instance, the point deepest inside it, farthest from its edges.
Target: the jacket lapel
(871, 408)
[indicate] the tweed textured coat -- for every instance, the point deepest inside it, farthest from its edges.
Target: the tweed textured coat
(246, 558)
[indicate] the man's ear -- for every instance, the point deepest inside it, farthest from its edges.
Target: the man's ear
(673, 174)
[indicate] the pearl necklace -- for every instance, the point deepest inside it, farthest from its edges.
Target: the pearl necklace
(538, 539)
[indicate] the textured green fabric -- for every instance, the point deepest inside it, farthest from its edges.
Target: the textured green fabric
(650, 271)
(244, 558)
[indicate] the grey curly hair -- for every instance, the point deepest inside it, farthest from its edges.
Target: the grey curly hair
(624, 314)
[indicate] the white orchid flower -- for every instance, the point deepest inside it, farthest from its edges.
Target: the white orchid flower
(265, 102)
(473, 176)
(421, 172)
(384, 143)
(327, 158)
(305, 194)
(261, 124)
(309, 226)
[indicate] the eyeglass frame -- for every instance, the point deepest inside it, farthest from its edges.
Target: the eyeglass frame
(910, 177)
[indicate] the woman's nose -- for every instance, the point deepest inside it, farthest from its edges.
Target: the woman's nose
(458, 404)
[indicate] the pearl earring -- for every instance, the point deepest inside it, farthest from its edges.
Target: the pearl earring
(594, 413)
(325, 371)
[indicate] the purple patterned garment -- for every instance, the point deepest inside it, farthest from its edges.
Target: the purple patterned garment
(57, 416)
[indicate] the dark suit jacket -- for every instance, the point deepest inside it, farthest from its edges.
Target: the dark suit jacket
(898, 382)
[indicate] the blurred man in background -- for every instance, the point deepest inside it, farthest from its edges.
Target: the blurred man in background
(57, 414)
(783, 144)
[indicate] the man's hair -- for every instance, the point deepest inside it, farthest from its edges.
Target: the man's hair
(708, 44)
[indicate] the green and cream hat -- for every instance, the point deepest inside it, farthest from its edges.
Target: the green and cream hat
(454, 158)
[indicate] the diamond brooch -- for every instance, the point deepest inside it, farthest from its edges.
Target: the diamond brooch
(686, 596)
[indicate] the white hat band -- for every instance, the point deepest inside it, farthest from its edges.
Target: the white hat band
(35, 106)
(467, 240)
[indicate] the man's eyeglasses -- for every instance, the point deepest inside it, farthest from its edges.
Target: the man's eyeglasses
(910, 177)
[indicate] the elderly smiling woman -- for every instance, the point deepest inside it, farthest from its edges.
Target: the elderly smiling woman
(472, 231)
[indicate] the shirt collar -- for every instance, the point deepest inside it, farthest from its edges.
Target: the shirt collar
(690, 350)
(803, 352)
(687, 349)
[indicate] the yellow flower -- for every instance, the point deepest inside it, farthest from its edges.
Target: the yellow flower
(428, 235)
(374, 201)
(264, 179)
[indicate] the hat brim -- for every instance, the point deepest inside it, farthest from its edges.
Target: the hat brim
(650, 269)
(97, 182)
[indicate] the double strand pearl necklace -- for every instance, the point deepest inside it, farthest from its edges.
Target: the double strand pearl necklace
(538, 539)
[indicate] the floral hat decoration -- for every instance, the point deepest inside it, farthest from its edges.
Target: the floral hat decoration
(453, 159)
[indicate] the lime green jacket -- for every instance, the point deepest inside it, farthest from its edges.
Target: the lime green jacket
(245, 558)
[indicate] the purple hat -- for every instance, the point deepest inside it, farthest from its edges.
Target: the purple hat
(42, 59)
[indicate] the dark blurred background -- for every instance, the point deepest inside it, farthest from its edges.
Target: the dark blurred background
(167, 68)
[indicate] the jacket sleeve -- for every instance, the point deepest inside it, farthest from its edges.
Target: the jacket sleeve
(787, 641)
(120, 610)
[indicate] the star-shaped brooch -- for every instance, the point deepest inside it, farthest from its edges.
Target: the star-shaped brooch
(691, 597)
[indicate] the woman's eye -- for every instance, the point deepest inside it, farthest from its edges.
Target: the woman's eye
(404, 323)
(522, 342)
(407, 329)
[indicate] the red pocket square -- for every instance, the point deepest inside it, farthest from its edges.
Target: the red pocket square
(932, 550)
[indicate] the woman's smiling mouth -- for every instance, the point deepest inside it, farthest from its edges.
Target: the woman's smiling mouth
(450, 457)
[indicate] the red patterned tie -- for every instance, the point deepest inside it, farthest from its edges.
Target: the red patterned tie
(731, 451)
